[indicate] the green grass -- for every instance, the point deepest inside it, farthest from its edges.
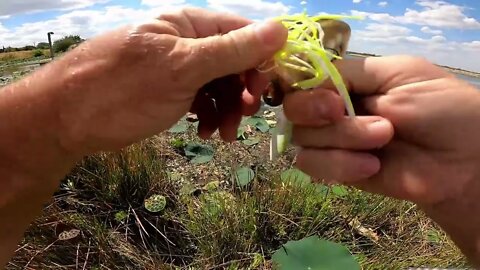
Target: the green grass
(209, 222)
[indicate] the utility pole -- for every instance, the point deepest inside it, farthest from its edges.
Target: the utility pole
(50, 43)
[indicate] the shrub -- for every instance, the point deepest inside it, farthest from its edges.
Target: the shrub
(64, 43)
(38, 53)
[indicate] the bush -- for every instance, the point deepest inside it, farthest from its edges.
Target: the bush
(38, 53)
(64, 43)
(43, 45)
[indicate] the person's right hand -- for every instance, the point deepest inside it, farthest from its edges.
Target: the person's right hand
(417, 138)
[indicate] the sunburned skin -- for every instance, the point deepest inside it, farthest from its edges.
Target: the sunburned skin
(336, 38)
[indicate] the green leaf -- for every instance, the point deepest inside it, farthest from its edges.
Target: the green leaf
(211, 186)
(187, 189)
(241, 133)
(295, 176)
(156, 203)
(180, 127)
(315, 254)
(259, 123)
(199, 153)
(263, 126)
(251, 141)
(339, 191)
(434, 236)
(177, 143)
(244, 176)
(201, 159)
(121, 216)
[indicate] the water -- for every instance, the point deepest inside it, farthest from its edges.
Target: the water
(475, 81)
(470, 79)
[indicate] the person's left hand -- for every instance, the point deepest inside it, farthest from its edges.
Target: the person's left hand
(132, 83)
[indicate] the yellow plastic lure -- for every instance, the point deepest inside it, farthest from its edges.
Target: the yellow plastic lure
(305, 54)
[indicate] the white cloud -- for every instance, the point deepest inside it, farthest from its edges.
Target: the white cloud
(428, 30)
(250, 8)
(473, 46)
(383, 4)
(390, 39)
(432, 13)
(12, 7)
(156, 3)
(86, 23)
(357, 1)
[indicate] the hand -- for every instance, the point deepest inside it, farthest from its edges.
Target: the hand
(133, 83)
(416, 137)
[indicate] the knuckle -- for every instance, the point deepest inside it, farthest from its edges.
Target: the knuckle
(232, 44)
(179, 61)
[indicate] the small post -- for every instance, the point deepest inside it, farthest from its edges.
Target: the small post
(50, 43)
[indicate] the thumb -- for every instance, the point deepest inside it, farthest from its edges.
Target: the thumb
(237, 51)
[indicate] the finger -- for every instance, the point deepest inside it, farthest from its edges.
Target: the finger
(313, 108)
(375, 75)
(208, 119)
(234, 52)
(250, 104)
(360, 133)
(337, 166)
(207, 23)
(256, 82)
(228, 95)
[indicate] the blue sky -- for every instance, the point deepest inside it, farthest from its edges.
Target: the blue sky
(444, 31)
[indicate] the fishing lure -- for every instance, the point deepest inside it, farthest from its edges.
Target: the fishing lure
(304, 63)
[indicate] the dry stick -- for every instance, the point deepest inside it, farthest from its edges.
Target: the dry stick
(40, 251)
(86, 258)
(140, 228)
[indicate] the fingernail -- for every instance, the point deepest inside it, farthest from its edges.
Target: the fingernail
(369, 166)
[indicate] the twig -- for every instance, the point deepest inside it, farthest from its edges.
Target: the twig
(156, 229)
(88, 253)
(38, 252)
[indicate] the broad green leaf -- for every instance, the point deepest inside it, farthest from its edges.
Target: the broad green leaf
(263, 126)
(156, 203)
(201, 159)
(199, 153)
(295, 176)
(314, 254)
(180, 127)
(244, 176)
(259, 123)
(251, 141)
(241, 133)
(339, 191)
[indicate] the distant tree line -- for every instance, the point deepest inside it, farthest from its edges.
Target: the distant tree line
(61, 45)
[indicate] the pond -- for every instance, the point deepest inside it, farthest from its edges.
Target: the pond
(473, 80)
